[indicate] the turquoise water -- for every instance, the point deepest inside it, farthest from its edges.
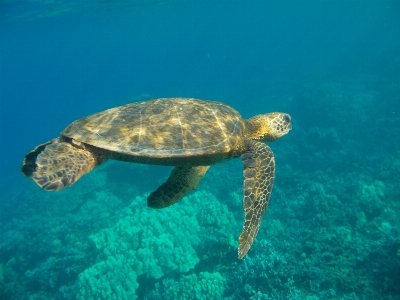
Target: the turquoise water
(332, 229)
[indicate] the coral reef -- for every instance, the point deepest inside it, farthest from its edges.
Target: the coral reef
(332, 230)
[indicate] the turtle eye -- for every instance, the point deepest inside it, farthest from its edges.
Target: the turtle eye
(286, 118)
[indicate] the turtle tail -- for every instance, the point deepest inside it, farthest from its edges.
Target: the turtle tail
(59, 163)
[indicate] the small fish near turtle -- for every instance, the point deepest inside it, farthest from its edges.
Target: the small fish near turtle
(189, 134)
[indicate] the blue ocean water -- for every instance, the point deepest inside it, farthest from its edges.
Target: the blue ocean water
(332, 229)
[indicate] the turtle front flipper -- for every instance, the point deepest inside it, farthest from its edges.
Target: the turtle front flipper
(181, 181)
(57, 164)
(259, 173)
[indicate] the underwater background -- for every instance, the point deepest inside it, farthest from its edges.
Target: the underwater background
(332, 229)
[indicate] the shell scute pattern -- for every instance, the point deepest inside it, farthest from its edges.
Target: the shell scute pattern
(172, 127)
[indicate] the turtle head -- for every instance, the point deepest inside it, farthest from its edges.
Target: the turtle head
(268, 127)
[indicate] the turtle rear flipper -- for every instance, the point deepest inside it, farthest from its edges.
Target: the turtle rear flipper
(57, 164)
(259, 173)
(181, 181)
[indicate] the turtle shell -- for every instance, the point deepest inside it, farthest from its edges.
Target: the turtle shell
(166, 127)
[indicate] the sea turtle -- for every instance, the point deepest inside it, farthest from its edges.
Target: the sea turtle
(187, 133)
